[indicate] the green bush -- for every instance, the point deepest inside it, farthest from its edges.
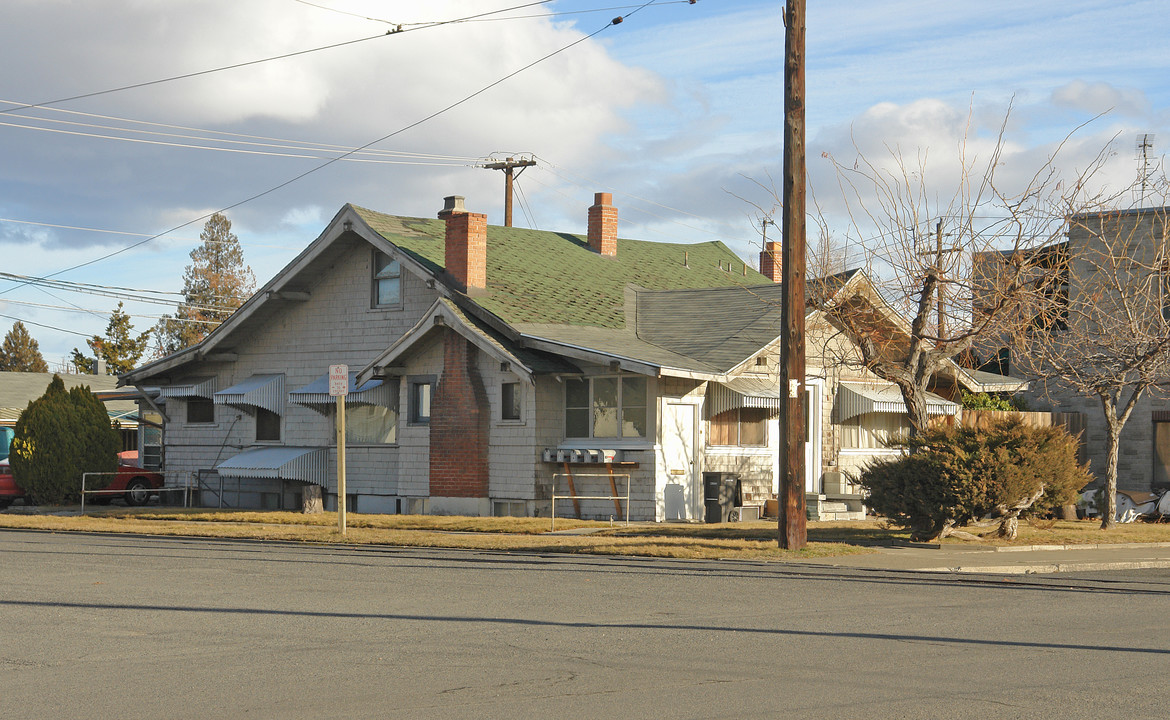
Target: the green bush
(59, 436)
(998, 401)
(963, 474)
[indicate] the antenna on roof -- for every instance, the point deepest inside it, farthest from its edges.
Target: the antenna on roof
(1145, 143)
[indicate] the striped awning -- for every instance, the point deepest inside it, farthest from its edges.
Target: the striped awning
(743, 393)
(309, 465)
(375, 391)
(858, 399)
(203, 387)
(263, 391)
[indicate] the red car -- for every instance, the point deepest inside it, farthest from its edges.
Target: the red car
(135, 485)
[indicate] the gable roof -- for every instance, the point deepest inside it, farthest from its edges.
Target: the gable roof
(552, 278)
(18, 389)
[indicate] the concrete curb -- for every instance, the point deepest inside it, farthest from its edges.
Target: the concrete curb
(1050, 568)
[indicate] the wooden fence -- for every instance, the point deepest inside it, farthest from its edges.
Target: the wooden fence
(1074, 422)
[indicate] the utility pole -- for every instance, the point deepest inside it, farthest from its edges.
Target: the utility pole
(793, 525)
(508, 166)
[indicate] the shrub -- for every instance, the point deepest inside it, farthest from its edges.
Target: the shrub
(59, 436)
(960, 474)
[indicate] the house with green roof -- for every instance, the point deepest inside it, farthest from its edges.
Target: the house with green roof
(497, 370)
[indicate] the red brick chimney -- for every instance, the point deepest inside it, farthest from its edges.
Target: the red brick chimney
(770, 264)
(603, 225)
(466, 243)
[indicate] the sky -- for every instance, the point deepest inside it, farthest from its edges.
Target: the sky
(677, 111)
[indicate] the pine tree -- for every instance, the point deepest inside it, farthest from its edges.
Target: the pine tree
(119, 348)
(215, 283)
(20, 353)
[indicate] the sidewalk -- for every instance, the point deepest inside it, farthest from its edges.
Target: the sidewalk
(1021, 560)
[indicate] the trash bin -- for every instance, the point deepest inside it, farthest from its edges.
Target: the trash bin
(720, 495)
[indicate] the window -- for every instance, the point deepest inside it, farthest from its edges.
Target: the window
(606, 407)
(510, 401)
(420, 400)
(387, 290)
(740, 427)
(873, 431)
(267, 425)
(371, 425)
(200, 410)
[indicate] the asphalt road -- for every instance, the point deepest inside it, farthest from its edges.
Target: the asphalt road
(138, 627)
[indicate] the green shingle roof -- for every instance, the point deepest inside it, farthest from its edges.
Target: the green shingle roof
(551, 278)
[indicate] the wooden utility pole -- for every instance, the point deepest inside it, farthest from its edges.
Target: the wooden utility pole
(509, 166)
(793, 526)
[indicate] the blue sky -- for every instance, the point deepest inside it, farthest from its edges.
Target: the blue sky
(676, 111)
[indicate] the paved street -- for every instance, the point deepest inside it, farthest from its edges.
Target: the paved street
(134, 627)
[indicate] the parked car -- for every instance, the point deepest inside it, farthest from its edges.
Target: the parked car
(132, 484)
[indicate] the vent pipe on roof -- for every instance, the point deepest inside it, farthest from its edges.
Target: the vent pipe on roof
(603, 220)
(465, 245)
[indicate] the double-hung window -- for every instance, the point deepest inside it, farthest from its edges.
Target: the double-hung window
(387, 289)
(606, 407)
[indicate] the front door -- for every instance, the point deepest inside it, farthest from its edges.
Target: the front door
(678, 495)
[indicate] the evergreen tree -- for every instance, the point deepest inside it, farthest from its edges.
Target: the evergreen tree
(215, 283)
(60, 436)
(119, 348)
(20, 353)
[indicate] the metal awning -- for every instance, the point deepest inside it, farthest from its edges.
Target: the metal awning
(375, 391)
(856, 399)
(203, 387)
(743, 393)
(263, 391)
(305, 464)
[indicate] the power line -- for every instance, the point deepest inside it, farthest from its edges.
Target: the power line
(243, 151)
(510, 17)
(198, 73)
(398, 28)
(228, 137)
(47, 327)
(360, 148)
(117, 293)
(134, 234)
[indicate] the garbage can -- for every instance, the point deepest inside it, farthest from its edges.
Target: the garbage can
(720, 495)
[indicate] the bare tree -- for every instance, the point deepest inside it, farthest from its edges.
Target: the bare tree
(920, 243)
(1103, 331)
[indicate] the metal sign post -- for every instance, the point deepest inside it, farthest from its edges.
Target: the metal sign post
(339, 388)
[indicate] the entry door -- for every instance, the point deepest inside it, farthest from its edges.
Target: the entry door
(678, 495)
(812, 437)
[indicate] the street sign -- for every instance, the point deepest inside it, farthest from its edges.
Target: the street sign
(338, 380)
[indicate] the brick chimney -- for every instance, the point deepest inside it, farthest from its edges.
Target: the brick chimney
(465, 248)
(770, 264)
(603, 225)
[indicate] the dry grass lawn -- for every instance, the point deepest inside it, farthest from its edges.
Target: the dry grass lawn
(749, 540)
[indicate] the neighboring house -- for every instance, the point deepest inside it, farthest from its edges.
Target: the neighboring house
(493, 366)
(18, 389)
(1138, 241)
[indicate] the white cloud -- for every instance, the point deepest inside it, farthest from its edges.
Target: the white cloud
(1100, 97)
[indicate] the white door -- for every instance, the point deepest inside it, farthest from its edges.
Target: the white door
(812, 438)
(677, 493)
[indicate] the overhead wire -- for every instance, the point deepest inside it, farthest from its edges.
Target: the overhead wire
(228, 136)
(42, 325)
(510, 17)
(398, 29)
(360, 148)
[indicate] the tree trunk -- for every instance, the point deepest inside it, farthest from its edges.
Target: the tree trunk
(1112, 446)
(311, 499)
